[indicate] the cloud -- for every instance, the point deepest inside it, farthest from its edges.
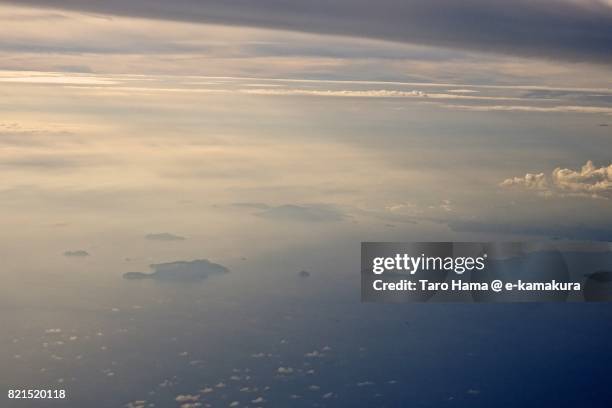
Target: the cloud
(370, 93)
(164, 236)
(377, 93)
(44, 162)
(19, 135)
(314, 354)
(530, 181)
(58, 79)
(285, 370)
(365, 384)
(79, 253)
(602, 233)
(293, 212)
(187, 398)
(304, 213)
(589, 181)
(136, 404)
(180, 271)
(261, 206)
(563, 29)
(530, 108)
(53, 331)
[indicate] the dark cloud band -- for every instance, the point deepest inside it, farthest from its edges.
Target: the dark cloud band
(579, 30)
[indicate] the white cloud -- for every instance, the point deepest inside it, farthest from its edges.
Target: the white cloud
(529, 108)
(136, 404)
(53, 331)
(530, 180)
(56, 78)
(285, 370)
(365, 384)
(462, 91)
(187, 398)
(381, 93)
(372, 93)
(589, 181)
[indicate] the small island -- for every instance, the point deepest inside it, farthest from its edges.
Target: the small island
(180, 271)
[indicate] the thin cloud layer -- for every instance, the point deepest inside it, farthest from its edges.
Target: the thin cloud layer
(79, 253)
(164, 236)
(563, 29)
(589, 181)
(604, 233)
(293, 212)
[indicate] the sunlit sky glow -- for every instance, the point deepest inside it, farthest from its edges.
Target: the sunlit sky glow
(151, 124)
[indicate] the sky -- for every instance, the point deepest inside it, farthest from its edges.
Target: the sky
(134, 106)
(272, 137)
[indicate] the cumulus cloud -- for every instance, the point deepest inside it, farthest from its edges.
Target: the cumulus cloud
(180, 271)
(53, 331)
(136, 404)
(187, 398)
(285, 370)
(530, 181)
(589, 181)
